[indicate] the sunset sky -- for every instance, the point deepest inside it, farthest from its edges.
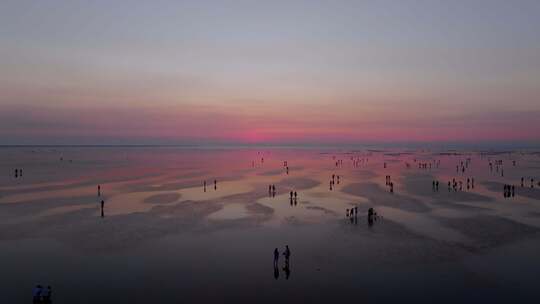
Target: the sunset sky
(270, 72)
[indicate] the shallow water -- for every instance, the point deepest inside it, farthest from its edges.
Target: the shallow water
(164, 237)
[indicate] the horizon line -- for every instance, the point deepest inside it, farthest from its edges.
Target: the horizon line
(415, 145)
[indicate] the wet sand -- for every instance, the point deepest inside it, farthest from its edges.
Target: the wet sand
(163, 239)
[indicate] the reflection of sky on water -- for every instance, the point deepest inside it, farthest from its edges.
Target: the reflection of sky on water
(155, 195)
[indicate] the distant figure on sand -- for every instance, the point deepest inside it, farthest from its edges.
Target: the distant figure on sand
(276, 257)
(98, 190)
(102, 205)
(371, 216)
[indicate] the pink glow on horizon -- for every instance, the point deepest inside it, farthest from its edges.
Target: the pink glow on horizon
(213, 124)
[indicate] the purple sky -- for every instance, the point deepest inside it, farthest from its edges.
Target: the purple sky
(314, 72)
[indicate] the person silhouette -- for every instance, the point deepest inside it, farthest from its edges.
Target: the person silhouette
(102, 205)
(276, 271)
(47, 293)
(98, 190)
(276, 256)
(215, 184)
(36, 294)
(287, 255)
(287, 252)
(370, 216)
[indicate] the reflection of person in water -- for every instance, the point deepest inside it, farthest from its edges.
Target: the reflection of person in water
(102, 205)
(276, 272)
(287, 269)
